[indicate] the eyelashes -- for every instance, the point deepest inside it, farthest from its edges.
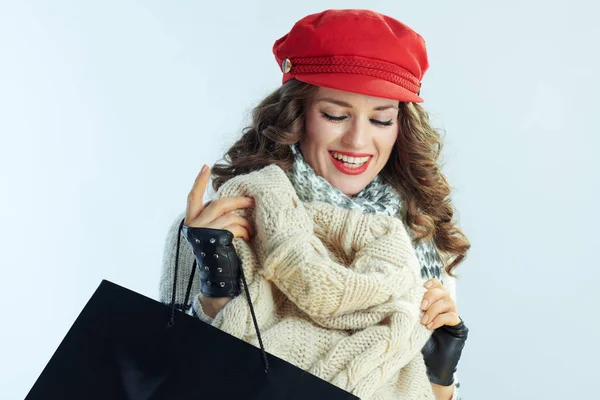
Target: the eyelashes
(332, 118)
(382, 123)
(340, 119)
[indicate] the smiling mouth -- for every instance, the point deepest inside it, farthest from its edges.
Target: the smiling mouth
(350, 165)
(350, 162)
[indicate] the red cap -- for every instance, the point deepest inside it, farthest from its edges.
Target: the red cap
(358, 51)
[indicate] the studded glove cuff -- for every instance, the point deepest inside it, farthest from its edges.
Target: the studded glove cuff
(218, 263)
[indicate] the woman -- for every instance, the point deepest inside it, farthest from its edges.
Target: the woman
(340, 146)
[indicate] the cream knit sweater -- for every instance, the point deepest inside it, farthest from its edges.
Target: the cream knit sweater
(336, 292)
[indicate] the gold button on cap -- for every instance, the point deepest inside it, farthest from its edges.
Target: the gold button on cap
(286, 66)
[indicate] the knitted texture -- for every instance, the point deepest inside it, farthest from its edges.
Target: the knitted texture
(336, 291)
(377, 197)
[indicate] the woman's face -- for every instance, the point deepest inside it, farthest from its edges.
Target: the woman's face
(348, 137)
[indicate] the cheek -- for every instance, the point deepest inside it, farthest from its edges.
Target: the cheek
(387, 142)
(310, 128)
(317, 132)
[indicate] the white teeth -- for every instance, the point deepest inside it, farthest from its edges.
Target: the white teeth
(352, 165)
(349, 160)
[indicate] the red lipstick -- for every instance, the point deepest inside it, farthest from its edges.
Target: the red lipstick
(348, 170)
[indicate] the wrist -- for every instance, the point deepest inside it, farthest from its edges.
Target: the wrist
(443, 392)
(213, 305)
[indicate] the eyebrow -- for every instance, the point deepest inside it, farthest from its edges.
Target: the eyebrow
(348, 105)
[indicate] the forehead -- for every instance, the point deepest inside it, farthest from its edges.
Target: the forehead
(355, 100)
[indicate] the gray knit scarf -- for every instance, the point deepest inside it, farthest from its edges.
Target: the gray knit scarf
(377, 197)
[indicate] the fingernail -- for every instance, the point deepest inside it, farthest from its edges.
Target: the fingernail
(428, 284)
(430, 325)
(424, 304)
(424, 319)
(203, 168)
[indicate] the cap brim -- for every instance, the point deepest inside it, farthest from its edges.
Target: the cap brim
(362, 84)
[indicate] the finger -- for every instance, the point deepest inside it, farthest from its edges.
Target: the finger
(433, 283)
(238, 232)
(439, 307)
(231, 219)
(450, 319)
(433, 295)
(196, 195)
(223, 206)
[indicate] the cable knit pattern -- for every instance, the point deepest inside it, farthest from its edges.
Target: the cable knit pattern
(336, 291)
(377, 197)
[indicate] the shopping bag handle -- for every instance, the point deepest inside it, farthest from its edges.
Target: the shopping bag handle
(189, 288)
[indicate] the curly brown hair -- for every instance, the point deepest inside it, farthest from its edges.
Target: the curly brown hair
(412, 169)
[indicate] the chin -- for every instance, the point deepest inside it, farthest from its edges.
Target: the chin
(350, 190)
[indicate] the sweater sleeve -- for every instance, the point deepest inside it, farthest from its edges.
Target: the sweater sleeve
(186, 261)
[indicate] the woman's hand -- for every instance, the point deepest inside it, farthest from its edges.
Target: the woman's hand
(219, 215)
(443, 350)
(216, 214)
(438, 306)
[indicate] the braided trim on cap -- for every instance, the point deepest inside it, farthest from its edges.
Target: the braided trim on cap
(353, 65)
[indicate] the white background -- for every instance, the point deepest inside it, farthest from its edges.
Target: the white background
(108, 110)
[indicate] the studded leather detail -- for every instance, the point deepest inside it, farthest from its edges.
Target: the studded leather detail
(218, 263)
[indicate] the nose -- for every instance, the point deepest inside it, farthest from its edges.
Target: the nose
(357, 135)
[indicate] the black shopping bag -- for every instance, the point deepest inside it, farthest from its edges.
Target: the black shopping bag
(125, 345)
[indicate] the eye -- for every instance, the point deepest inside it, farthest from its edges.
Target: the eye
(332, 118)
(382, 123)
(342, 118)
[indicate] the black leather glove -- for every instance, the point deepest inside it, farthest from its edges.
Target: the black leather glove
(442, 352)
(218, 263)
